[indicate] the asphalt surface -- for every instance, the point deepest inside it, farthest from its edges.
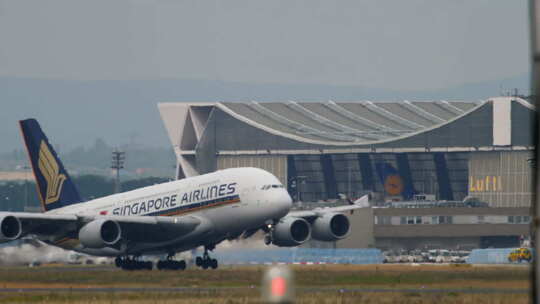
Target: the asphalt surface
(224, 289)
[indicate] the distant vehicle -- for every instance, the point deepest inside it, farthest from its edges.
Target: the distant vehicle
(403, 256)
(432, 255)
(425, 256)
(519, 255)
(390, 257)
(455, 257)
(166, 218)
(444, 256)
(415, 256)
(464, 255)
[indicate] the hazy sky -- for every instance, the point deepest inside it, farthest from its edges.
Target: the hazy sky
(413, 44)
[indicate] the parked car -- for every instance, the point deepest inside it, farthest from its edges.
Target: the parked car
(390, 257)
(415, 256)
(464, 255)
(444, 256)
(403, 256)
(432, 255)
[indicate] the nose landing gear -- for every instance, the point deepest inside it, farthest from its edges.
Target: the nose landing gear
(206, 261)
(269, 229)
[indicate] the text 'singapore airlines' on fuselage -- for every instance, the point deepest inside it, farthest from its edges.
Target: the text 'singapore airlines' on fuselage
(165, 218)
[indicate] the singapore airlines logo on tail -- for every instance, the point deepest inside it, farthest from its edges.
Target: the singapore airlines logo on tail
(50, 170)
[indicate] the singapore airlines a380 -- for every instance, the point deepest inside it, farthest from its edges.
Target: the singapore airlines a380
(167, 218)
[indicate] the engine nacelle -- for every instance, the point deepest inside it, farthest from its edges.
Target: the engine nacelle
(330, 227)
(100, 233)
(10, 228)
(291, 231)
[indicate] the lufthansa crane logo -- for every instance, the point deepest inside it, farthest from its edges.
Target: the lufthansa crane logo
(51, 172)
(393, 185)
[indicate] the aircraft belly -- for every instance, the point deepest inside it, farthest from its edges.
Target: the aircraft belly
(230, 219)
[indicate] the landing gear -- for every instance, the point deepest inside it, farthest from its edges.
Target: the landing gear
(267, 239)
(170, 264)
(269, 229)
(205, 261)
(132, 263)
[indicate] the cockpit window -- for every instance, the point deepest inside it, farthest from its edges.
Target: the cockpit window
(266, 187)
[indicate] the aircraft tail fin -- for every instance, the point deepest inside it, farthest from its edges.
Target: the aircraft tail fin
(55, 187)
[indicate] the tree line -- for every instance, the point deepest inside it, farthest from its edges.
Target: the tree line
(16, 195)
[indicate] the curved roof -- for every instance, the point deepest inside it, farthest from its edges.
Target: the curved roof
(201, 131)
(348, 123)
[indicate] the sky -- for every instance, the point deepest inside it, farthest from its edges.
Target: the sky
(392, 44)
(100, 66)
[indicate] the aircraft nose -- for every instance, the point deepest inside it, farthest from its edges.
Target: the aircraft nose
(284, 203)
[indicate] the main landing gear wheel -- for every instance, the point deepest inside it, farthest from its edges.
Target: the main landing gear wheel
(205, 261)
(170, 264)
(267, 239)
(132, 263)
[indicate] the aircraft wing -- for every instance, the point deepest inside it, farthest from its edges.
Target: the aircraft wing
(362, 202)
(134, 228)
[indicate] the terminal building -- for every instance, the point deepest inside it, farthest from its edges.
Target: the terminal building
(449, 150)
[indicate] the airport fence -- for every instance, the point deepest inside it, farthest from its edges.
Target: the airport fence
(300, 255)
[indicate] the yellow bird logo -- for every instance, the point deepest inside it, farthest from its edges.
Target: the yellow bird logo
(51, 172)
(393, 185)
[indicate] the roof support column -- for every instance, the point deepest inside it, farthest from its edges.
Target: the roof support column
(404, 170)
(329, 176)
(443, 178)
(292, 176)
(366, 171)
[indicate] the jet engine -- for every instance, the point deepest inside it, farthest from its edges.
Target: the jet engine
(100, 233)
(291, 231)
(10, 228)
(330, 227)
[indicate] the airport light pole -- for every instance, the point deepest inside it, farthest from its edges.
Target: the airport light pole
(25, 168)
(349, 183)
(118, 158)
(534, 23)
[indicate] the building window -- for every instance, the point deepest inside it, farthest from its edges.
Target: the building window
(481, 219)
(418, 220)
(434, 219)
(410, 220)
(383, 220)
(519, 219)
(403, 220)
(445, 219)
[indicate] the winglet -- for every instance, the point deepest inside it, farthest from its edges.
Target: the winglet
(55, 187)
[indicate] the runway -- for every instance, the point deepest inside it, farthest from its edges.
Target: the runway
(234, 289)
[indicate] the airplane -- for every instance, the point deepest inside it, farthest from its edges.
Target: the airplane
(166, 218)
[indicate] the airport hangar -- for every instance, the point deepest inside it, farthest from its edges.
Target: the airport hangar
(450, 149)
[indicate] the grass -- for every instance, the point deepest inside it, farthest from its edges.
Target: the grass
(312, 280)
